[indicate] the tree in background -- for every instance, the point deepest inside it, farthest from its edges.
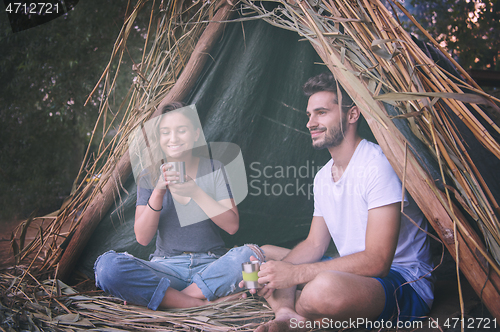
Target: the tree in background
(469, 29)
(46, 74)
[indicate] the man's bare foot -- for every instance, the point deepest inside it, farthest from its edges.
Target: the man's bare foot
(286, 320)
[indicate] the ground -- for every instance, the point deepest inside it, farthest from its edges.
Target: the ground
(446, 307)
(6, 228)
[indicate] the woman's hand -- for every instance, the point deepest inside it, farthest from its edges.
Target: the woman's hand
(162, 183)
(167, 177)
(170, 179)
(223, 213)
(186, 189)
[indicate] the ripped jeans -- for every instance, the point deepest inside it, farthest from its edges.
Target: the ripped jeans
(145, 282)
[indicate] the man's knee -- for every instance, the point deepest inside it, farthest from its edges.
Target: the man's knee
(274, 253)
(321, 296)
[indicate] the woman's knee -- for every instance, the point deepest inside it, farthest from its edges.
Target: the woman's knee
(222, 277)
(242, 254)
(109, 268)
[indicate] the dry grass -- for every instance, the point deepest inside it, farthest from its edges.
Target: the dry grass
(50, 305)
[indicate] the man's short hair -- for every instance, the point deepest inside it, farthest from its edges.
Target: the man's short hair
(327, 82)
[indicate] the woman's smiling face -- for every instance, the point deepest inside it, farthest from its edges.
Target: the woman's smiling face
(177, 135)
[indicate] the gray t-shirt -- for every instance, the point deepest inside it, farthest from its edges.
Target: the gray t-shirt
(202, 236)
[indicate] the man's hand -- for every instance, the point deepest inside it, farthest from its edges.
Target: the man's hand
(277, 274)
(265, 291)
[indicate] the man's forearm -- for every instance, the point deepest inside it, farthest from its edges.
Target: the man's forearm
(360, 263)
(283, 274)
(374, 261)
(305, 257)
(306, 252)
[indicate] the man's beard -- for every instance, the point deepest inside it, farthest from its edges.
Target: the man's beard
(333, 136)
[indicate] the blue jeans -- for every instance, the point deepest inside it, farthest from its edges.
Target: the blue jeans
(145, 282)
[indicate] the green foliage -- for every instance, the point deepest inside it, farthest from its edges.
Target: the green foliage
(470, 29)
(46, 74)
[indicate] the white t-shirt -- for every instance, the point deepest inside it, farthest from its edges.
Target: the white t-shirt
(368, 182)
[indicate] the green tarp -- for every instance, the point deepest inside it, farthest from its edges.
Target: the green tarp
(250, 94)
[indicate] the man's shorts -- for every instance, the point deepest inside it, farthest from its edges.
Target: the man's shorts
(401, 298)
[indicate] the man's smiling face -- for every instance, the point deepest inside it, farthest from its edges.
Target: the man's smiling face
(327, 123)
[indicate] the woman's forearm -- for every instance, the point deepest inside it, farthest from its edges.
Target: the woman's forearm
(223, 213)
(147, 217)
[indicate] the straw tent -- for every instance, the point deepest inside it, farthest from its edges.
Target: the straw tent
(242, 64)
